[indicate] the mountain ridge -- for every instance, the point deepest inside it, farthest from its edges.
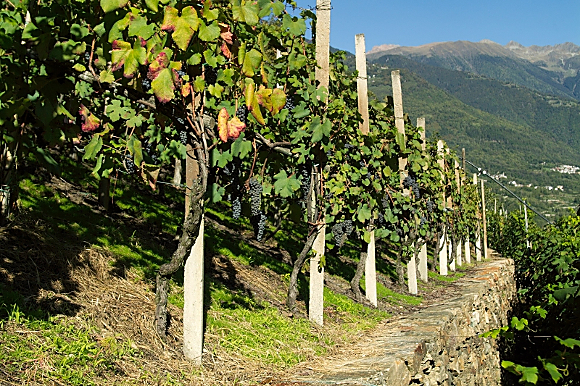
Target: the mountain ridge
(553, 70)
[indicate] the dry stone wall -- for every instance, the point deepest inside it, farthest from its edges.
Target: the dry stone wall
(439, 345)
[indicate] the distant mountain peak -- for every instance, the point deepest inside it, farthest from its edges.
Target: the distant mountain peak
(382, 47)
(513, 45)
(487, 41)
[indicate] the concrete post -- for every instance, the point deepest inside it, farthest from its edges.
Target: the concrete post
(322, 72)
(485, 253)
(193, 301)
(193, 277)
(443, 240)
(423, 271)
(363, 108)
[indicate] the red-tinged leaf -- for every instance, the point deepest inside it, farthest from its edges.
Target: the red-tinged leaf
(278, 100)
(170, 18)
(226, 33)
(226, 50)
(222, 124)
(163, 86)
(123, 55)
(249, 95)
(183, 27)
(235, 127)
(160, 63)
(264, 98)
(90, 121)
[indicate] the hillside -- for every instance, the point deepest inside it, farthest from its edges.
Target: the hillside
(522, 137)
(77, 292)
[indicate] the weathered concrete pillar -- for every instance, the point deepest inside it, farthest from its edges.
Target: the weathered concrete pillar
(371, 272)
(193, 300)
(423, 271)
(412, 272)
(316, 303)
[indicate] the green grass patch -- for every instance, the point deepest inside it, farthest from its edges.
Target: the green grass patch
(262, 333)
(38, 350)
(387, 295)
(451, 277)
(356, 314)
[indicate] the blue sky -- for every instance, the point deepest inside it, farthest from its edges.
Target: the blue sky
(413, 23)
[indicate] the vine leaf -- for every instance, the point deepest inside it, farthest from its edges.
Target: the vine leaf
(209, 14)
(229, 128)
(319, 130)
(278, 100)
(264, 97)
(152, 5)
(553, 370)
(226, 33)
(296, 26)
(150, 174)
(93, 147)
(162, 78)
(253, 104)
(139, 27)
(246, 11)
(210, 32)
(135, 148)
(364, 213)
(163, 86)
(129, 57)
(285, 186)
(252, 61)
(111, 5)
(182, 27)
(90, 121)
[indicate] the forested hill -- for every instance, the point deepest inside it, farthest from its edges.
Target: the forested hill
(497, 143)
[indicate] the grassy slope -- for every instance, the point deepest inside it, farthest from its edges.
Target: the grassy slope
(77, 300)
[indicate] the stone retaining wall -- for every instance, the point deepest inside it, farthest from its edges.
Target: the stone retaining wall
(438, 345)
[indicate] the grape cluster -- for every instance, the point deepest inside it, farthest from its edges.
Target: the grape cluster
(130, 164)
(341, 231)
(146, 84)
(210, 75)
(338, 233)
(305, 173)
(430, 206)
(242, 113)
(236, 202)
(151, 151)
(289, 105)
(259, 223)
(411, 182)
(183, 137)
(181, 73)
(255, 197)
(348, 227)
(231, 170)
(423, 220)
